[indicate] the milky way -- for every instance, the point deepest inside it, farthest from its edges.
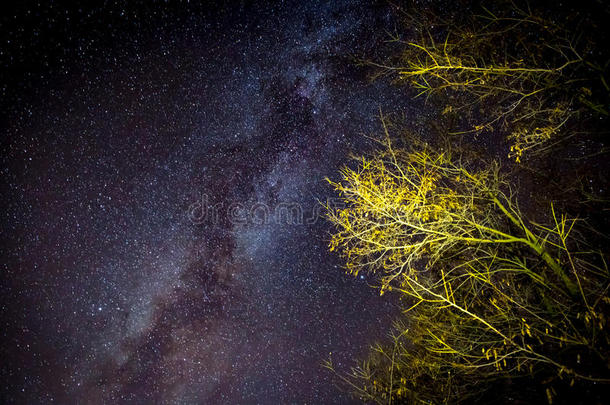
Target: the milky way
(121, 124)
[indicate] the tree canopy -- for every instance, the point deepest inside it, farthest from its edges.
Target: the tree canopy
(505, 68)
(488, 294)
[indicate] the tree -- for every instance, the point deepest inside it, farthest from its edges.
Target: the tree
(506, 70)
(488, 293)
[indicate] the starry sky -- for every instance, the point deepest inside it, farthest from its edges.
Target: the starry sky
(120, 121)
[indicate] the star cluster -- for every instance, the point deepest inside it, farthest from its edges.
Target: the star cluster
(116, 120)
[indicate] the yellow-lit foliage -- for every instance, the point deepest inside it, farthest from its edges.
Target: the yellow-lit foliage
(508, 70)
(488, 293)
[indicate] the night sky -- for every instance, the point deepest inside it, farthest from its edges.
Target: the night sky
(119, 123)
